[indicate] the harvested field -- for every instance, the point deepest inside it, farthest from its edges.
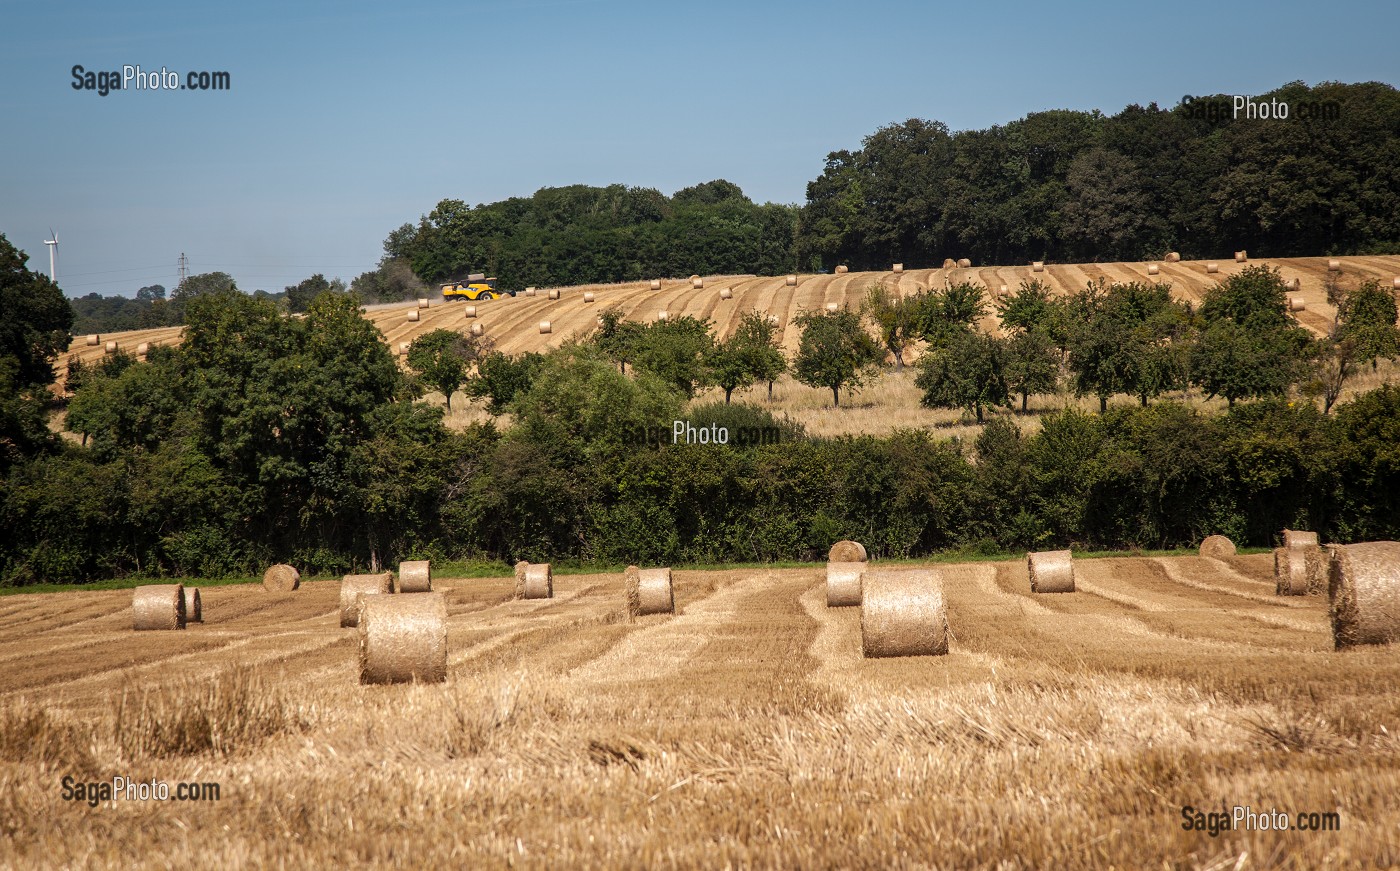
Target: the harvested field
(745, 731)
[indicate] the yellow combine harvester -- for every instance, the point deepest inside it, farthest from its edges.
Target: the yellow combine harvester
(476, 287)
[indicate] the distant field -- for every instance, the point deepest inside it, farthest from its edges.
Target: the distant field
(1063, 731)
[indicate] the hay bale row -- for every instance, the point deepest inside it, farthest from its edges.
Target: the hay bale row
(649, 591)
(354, 588)
(847, 551)
(1217, 547)
(194, 607)
(902, 613)
(281, 578)
(843, 583)
(1172, 257)
(403, 639)
(533, 580)
(158, 606)
(416, 576)
(1051, 571)
(413, 315)
(1364, 590)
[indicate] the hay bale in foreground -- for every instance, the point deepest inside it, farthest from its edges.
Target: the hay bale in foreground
(843, 583)
(649, 591)
(847, 551)
(1299, 537)
(194, 608)
(1212, 268)
(1172, 257)
(1364, 589)
(535, 581)
(353, 588)
(1217, 547)
(403, 639)
(416, 576)
(281, 578)
(158, 606)
(964, 263)
(1051, 571)
(1241, 257)
(902, 613)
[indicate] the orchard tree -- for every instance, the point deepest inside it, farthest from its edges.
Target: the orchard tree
(968, 373)
(443, 358)
(834, 352)
(757, 336)
(1366, 318)
(894, 320)
(942, 316)
(1032, 365)
(675, 351)
(500, 378)
(1250, 346)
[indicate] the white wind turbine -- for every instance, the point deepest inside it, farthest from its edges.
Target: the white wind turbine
(53, 251)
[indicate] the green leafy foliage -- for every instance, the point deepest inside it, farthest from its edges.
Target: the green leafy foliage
(834, 352)
(968, 373)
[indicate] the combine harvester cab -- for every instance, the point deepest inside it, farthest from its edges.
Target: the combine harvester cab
(476, 287)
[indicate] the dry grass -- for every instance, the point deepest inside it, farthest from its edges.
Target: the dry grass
(746, 731)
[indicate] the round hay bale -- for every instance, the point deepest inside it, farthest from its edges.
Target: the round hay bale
(281, 578)
(662, 315)
(413, 315)
(403, 639)
(842, 270)
(422, 302)
(847, 551)
(1212, 268)
(415, 576)
(470, 311)
(1334, 266)
(1217, 547)
(697, 283)
(111, 348)
(554, 293)
(791, 281)
(588, 296)
(1152, 269)
(537, 583)
(158, 606)
(1296, 304)
(194, 608)
(843, 583)
(478, 330)
(520, 568)
(964, 263)
(353, 588)
(897, 268)
(403, 348)
(96, 339)
(1241, 257)
(1038, 266)
(726, 293)
(949, 263)
(529, 291)
(545, 327)
(1172, 257)
(1290, 571)
(1364, 589)
(655, 284)
(143, 349)
(1051, 571)
(902, 613)
(832, 308)
(1005, 290)
(649, 591)
(1395, 282)
(1299, 538)
(1291, 284)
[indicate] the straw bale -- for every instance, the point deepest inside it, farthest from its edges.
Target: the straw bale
(470, 311)
(422, 302)
(545, 327)
(478, 330)
(949, 263)
(662, 315)
(1296, 537)
(1172, 257)
(649, 591)
(403, 348)
(143, 349)
(403, 639)
(1296, 304)
(1241, 257)
(1334, 266)
(355, 587)
(520, 568)
(1212, 268)
(281, 578)
(158, 606)
(194, 608)
(1291, 284)
(538, 582)
(726, 293)
(842, 270)
(588, 296)
(902, 613)
(415, 576)
(1051, 571)
(697, 283)
(843, 583)
(791, 281)
(832, 308)
(1038, 266)
(112, 347)
(553, 293)
(655, 284)
(413, 314)
(898, 267)
(1364, 590)
(96, 339)
(1217, 547)
(1153, 269)
(847, 551)
(964, 263)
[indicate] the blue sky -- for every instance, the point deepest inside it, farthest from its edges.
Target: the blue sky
(344, 120)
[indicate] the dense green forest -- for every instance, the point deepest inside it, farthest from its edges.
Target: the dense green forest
(264, 437)
(1059, 185)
